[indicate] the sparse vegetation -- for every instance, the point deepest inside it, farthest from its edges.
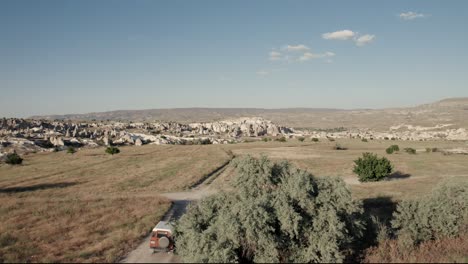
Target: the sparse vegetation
(277, 214)
(71, 150)
(371, 168)
(14, 159)
(281, 139)
(410, 150)
(112, 150)
(97, 209)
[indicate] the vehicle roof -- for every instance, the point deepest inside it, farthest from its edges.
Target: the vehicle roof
(163, 226)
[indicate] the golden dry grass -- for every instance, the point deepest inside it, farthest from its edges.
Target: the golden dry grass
(90, 206)
(425, 170)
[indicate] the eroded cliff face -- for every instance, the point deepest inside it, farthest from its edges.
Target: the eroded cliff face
(41, 135)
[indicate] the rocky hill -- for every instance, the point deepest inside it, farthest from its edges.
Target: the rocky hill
(453, 111)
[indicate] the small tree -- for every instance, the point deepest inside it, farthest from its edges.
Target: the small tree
(315, 140)
(275, 213)
(13, 159)
(71, 150)
(372, 168)
(301, 139)
(112, 150)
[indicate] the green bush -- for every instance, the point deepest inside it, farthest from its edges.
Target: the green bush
(281, 139)
(410, 150)
(13, 159)
(392, 149)
(71, 150)
(275, 213)
(315, 140)
(301, 139)
(112, 150)
(443, 213)
(372, 168)
(207, 141)
(265, 139)
(364, 140)
(429, 150)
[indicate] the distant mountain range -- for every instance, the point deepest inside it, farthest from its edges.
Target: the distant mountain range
(448, 111)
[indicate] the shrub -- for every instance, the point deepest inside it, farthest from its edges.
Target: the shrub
(410, 150)
(281, 139)
(275, 213)
(339, 147)
(364, 140)
(392, 149)
(331, 139)
(386, 138)
(372, 168)
(112, 150)
(71, 150)
(315, 140)
(13, 159)
(429, 150)
(301, 139)
(206, 141)
(265, 139)
(443, 213)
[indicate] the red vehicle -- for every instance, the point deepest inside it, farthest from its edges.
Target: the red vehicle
(161, 237)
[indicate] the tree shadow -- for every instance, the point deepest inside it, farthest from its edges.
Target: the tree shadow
(37, 187)
(378, 212)
(398, 175)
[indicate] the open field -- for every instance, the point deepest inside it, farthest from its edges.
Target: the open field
(91, 207)
(416, 175)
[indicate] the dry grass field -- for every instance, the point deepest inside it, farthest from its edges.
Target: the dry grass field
(91, 206)
(415, 174)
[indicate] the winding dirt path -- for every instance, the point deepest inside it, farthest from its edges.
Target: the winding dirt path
(180, 201)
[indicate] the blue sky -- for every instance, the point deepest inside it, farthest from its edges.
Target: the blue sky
(61, 57)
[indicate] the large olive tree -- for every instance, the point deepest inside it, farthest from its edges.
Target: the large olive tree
(277, 213)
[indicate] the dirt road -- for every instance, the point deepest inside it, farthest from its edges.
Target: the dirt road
(180, 201)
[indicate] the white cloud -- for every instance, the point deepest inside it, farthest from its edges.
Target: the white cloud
(339, 35)
(299, 47)
(363, 40)
(411, 15)
(308, 55)
(262, 72)
(274, 55)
